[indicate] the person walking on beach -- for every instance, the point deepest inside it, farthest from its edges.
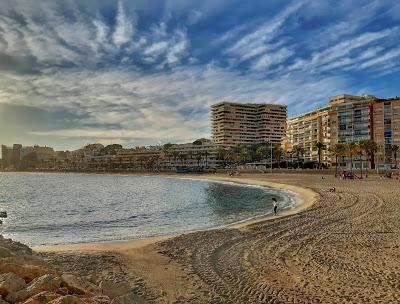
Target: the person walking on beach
(275, 205)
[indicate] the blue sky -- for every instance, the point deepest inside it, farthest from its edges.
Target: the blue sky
(146, 72)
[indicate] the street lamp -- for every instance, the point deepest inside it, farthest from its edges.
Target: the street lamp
(270, 153)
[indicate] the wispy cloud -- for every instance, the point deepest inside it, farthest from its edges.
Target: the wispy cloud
(149, 72)
(124, 28)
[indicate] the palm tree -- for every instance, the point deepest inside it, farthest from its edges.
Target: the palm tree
(243, 156)
(262, 152)
(166, 152)
(175, 155)
(351, 149)
(190, 155)
(298, 150)
(360, 149)
(370, 147)
(278, 155)
(206, 153)
(337, 150)
(199, 158)
(319, 146)
(395, 150)
(183, 157)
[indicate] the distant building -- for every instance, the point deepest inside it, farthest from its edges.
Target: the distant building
(6, 153)
(201, 153)
(19, 157)
(16, 155)
(247, 123)
(306, 130)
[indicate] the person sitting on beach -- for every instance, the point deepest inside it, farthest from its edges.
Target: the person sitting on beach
(333, 189)
(275, 205)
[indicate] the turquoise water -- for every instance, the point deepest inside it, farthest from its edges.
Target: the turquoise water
(47, 208)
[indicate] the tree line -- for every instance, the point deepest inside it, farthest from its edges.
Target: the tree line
(354, 151)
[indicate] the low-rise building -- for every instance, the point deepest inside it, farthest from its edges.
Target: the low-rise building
(202, 153)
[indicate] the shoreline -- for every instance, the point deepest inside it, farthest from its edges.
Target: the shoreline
(308, 198)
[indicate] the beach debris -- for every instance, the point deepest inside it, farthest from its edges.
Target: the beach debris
(3, 214)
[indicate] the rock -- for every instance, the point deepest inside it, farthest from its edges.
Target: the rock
(10, 282)
(78, 286)
(63, 291)
(114, 289)
(4, 252)
(16, 247)
(47, 282)
(125, 299)
(97, 300)
(18, 296)
(67, 300)
(42, 298)
(23, 270)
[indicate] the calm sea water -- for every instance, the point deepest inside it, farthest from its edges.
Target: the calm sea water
(46, 208)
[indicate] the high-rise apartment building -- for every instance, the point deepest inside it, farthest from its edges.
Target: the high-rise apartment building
(386, 129)
(306, 131)
(238, 123)
(350, 118)
(354, 118)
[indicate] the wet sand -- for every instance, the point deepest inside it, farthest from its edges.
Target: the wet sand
(338, 247)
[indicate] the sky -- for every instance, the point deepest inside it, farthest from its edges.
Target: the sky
(139, 72)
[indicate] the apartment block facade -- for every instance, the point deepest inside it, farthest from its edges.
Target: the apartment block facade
(306, 131)
(386, 129)
(245, 123)
(351, 118)
(354, 118)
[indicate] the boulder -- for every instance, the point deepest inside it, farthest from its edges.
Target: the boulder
(17, 296)
(10, 282)
(42, 297)
(78, 286)
(67, 300)
(46, 282)
(26, 271)
(97, 300)
(125, 299)
(114, 289)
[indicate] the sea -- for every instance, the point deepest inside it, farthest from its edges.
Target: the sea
(66, 208)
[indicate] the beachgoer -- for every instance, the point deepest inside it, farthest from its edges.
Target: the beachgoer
(275, 205)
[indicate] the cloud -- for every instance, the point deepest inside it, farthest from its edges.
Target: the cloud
(257, 42)
(273, 58)
(145, 72)
(124, 28)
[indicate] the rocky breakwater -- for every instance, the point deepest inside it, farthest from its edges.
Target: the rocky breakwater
(28, 279)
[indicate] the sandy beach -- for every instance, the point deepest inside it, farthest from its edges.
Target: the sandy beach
(340, 247)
